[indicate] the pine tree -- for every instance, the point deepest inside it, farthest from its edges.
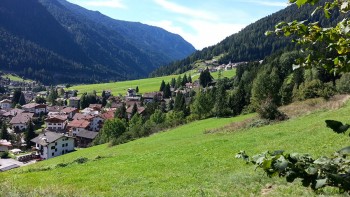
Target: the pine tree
(22, 100)
(178, 82)
(179, 102)
(167, 91)
(205, 78)
(4, 135)
(220, 106)
(162, 86)
(137, 89)
(121, 112)
(184, 80)
(189, 78)
(29, 134)
(16, 95)
(134, 110)
(173, 82)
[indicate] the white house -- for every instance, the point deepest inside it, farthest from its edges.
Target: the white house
(4, 145)
(20, 121)
(5, 104)
(51, 144)
(96, 123)
(56, 123)
(35, 108)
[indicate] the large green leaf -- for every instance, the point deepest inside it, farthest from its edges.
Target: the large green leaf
(320, 183)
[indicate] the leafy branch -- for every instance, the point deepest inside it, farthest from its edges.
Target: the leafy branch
(331, 171)
(326, 47)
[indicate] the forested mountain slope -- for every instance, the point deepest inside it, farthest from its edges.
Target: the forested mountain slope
(251, 44)
(54, 41)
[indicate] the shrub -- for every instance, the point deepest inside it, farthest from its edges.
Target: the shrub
(4, 155)
(269, 110)
(343, 84)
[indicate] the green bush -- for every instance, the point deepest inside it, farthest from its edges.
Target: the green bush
(4, 155)
(269, 110)
(343, 84)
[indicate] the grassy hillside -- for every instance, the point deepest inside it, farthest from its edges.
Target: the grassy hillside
(145, 85)
(182, 162)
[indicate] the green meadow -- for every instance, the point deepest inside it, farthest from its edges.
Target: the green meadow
(184, 161)
(145, 85)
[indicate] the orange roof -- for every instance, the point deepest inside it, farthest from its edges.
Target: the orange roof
(79, 124)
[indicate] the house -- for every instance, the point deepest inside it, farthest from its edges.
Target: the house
(96, 123)
(51, 144)
(131, 92)
(140, 111)
(79, 116)
(90, 111)
(108, 115)
(70, 93)
(96, 107)
(56, 123)
(149, 97)
(35, 108)
(74, 102)
(5, 104)
(228, 67)
(20, 121)
(76, 126)
(70, 111)
(5, 145)
(12, 113)
(84, 138)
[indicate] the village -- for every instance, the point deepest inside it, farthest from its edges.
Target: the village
(62, 125)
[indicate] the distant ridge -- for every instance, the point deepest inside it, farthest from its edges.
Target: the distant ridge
(54, 41)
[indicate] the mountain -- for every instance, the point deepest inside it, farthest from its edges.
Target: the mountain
(54, 41)
(251, 44)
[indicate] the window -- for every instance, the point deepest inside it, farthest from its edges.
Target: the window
(66, 144)
(55, 143)
(62, 145)
(53, 154)
(53, 147)
(56, 150)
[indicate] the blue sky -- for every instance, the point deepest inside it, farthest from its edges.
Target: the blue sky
(201, 22)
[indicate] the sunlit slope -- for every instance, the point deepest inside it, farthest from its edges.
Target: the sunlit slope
(182, 162)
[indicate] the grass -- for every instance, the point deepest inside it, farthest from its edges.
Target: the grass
(15, 78)
(145, 85)
(182, 162)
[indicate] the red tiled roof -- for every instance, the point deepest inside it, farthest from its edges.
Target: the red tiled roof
(79, 124)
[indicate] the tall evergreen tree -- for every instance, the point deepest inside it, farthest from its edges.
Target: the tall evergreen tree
(178, 82)
(121, 112)
(220, 107)
(22, 99)
(53, 95)
(173, 82)
(137, 89)
(4, 134)
(29, 134)
(205, 78)
(167, 91)
(16, 95)
(179, 102)
(189, 78)
(184, 80)
(134, 110)
(162, 86)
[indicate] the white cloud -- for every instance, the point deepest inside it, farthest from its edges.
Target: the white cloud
(205, 33)
(268, 3)
(179, 9)
(106, 3)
